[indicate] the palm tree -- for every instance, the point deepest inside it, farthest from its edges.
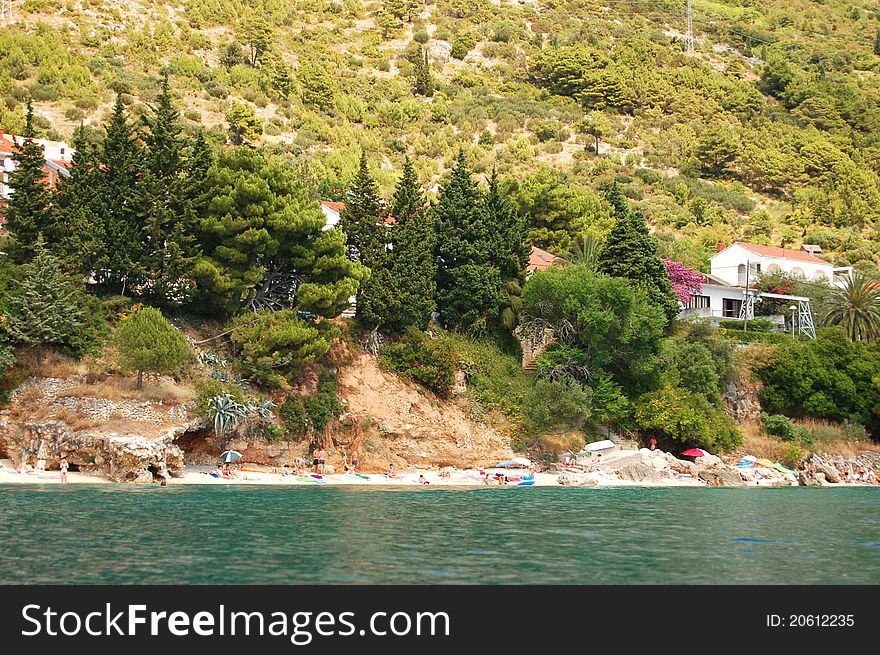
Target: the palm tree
(584, 252)
(856, 308)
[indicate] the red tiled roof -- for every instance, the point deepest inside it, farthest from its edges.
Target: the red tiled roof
(540, 260)
(339, 206)
(335, 206)
(785, 253)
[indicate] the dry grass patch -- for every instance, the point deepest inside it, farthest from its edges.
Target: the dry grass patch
(53, 365)
(74, 420)
(116, 388)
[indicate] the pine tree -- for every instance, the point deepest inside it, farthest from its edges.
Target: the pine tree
(81, 197)
(31, 206)
(44, 309)
(363, 218)
(424, 84)
(163, 138)
(168, 241)
(147, 342)
(631, 252)
(509, 248)
(470, 290)
(401, 290)
(121, 164)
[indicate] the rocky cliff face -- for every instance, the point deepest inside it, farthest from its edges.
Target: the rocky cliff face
(125, 440)
(121, 458)
(741, 400)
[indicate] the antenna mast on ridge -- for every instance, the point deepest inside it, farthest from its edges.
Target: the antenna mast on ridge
(6, 10)
(690, 28)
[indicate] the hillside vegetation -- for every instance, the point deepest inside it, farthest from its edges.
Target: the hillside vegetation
(458, 135)
(768, 132)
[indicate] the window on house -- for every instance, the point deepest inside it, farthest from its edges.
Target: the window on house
(731, 308)
(698, 302)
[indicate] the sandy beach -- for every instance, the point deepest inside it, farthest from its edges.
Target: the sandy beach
(606, 475)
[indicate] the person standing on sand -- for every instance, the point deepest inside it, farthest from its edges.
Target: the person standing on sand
(63, 466)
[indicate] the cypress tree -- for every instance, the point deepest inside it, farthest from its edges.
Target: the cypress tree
(509, 248)
(424, 85)
(401, 291)
(362, 218)
(121, 164)
(169, 244)
(877, 43)
(470, 290)
(30, 209)
(631, 252)
(44, 309)
(81, 197)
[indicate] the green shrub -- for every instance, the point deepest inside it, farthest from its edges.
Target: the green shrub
(752, 336)
(430, 362)
(755, 325)
(553, 404)
(778, 425)
(324, 406)
(294, 415)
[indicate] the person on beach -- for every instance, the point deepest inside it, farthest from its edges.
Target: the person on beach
(423, 479)
(226, 472)
(653, 442)
(391, 473)
(319, 458)
(355, 460)
(63, 466)
(300, 466)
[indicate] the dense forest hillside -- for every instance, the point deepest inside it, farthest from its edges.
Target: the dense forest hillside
(767, 132)
(184, 237)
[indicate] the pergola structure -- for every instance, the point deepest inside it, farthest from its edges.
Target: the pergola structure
(805, 325)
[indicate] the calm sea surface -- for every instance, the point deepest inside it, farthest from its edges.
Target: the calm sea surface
(110, 534)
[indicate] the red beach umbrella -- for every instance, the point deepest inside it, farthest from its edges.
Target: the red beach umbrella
(695, 452)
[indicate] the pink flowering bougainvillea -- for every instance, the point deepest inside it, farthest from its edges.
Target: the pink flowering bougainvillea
(686, 282)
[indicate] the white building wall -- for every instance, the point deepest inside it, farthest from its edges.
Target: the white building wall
(729, 265)
(331, 218)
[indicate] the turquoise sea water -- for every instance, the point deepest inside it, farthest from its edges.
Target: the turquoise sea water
(134, 535)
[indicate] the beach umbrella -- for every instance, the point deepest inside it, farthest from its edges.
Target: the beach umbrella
(506, 464)
(230, 456)
(522, 461)
(765, 462)
(695, 452)
(750, 458)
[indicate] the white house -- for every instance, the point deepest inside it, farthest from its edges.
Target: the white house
(331, 210)
(716, 299)
(58, 156)
(740, 264)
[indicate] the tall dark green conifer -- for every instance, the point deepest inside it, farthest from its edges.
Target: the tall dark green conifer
(424, 84)
(509, 249)
(31, 207)
(401, 291)
(470, 289)
(121, 163)
(363, 218)
(631, 252)
(169, 244)
(81, 199)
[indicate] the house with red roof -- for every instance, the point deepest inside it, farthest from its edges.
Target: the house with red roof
(333, 210)
(540, 260)
(57, 153)
(740, 263)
